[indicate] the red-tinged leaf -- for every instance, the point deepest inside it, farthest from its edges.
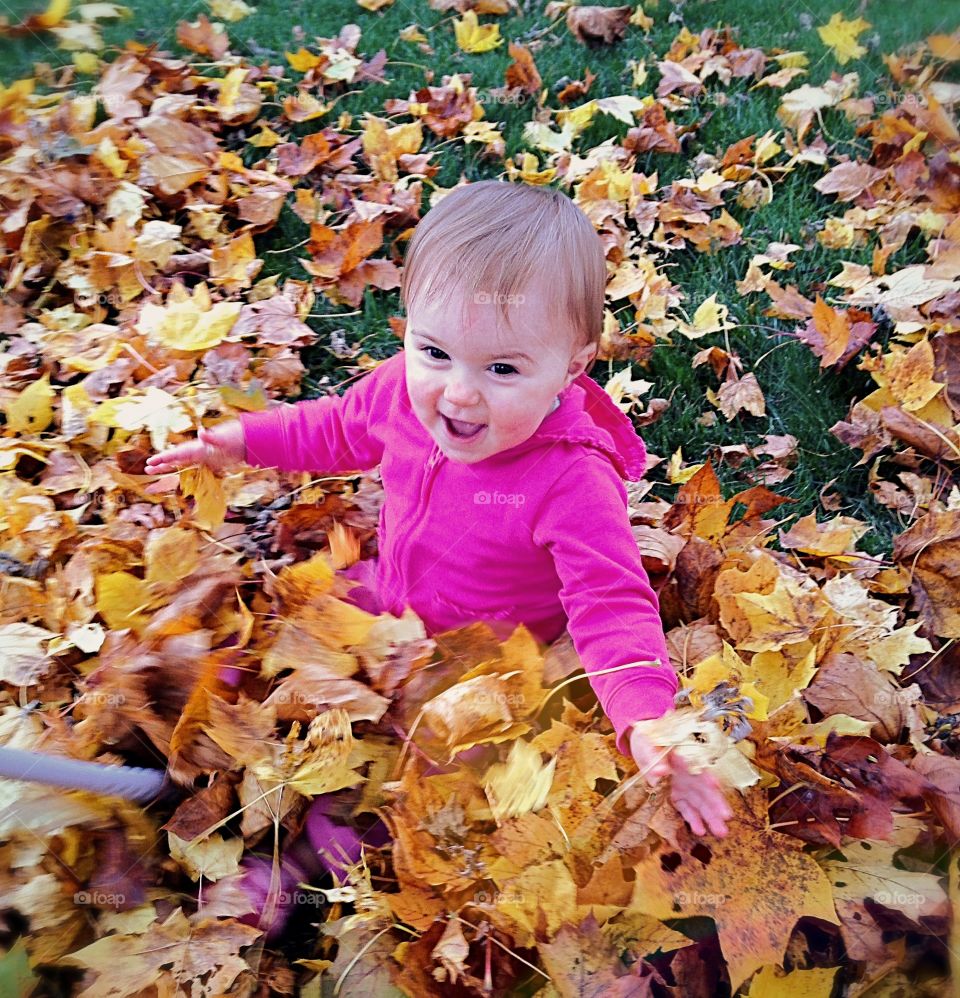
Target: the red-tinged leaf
(522, 73)
(598, 25)
(203, 37)
(942, 773)
(848, 180)
(582, 962)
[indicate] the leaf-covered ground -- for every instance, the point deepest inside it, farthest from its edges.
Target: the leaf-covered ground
(205, 212)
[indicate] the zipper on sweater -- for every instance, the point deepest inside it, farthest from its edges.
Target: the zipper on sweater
(426, 488)
(430, 475)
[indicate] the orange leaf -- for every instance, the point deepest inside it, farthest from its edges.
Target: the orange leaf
(523, 71)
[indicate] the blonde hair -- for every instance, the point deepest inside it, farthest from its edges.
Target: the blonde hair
(497, 236)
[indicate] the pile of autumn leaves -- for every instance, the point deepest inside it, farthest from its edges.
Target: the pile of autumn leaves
(133, 313)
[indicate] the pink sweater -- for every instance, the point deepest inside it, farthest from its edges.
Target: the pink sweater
(538, 534)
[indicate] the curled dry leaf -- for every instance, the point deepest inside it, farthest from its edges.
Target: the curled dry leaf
(598, 25)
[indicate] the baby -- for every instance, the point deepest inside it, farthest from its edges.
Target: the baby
(502, 461)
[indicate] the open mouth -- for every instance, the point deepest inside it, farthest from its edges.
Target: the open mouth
(462, 431)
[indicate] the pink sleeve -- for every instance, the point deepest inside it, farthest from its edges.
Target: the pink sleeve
(612, 611)
(334, 434)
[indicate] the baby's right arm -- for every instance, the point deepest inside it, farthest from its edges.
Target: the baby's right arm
(333, 434)
(216, 447)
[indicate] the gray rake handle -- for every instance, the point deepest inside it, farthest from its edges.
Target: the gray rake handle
(129, 782)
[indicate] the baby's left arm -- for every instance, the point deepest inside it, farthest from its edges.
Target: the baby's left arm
(614, 618)
(612, 611)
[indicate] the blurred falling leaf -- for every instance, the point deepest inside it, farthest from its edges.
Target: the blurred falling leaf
(840, 35)
(475, 37)
(521, 784)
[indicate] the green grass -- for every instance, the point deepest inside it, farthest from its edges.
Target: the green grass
(801, 399)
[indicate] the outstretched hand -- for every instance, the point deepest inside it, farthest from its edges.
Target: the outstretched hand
(216, 448)
(697, 796)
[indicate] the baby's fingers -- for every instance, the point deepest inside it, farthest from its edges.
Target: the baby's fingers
(174, 458)
(716, 819)
(702, 804)
(691, 815)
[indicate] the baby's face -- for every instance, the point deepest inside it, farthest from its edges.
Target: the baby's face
(495, 381)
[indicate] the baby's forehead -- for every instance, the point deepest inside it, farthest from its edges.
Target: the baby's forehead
(500, 319)
(510, 332)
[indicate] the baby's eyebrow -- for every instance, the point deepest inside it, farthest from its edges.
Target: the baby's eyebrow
(515, 355)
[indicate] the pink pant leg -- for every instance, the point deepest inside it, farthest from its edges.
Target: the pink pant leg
(364, 595)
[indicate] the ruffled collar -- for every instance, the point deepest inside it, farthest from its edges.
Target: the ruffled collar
(588, 415)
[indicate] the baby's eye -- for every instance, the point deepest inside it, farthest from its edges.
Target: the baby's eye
(510, 369)
(437, 349)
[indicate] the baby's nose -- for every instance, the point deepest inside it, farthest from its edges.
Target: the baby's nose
(460, 392)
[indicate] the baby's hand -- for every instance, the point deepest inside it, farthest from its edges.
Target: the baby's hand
(216, 448)
(697, 796)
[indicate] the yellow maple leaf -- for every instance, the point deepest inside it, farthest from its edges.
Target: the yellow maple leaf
(676, 473)
(475, 37)
(341, 66)
(529, 170)
(103, 11)
(230, 10)
(303, 106)
(265, 138)
(892, 652)
(727, 666)
(412, 33)
(793, 60)
(640, 19)
(189, 323)
(543, 894)
(383, 146)
(710, 317)
(211, 858)
(31, 411)
(157, 242)
(772, 982)
(519, 785)
(638, 72)
(322, 762)
(579, 118)
(156, 411)
(837, 234)
(787, 615)
(908, 375)
(481, 131)
(475, 711)
(86, 62)
(121, 599)
(541, 136)
(54, 14)
(303, 61)
(757, 884)
(207, 489)
(230, 87)
(798, 107)
(841, 36)
(235, 263)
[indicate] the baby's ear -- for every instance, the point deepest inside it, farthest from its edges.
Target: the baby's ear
(581, 360)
